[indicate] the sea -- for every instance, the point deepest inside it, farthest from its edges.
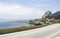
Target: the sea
(8, 24)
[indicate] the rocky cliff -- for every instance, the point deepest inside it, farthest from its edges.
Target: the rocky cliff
(49, 14)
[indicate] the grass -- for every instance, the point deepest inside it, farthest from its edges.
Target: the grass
(11, 30)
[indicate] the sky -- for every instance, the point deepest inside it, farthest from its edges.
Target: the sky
(27, 9)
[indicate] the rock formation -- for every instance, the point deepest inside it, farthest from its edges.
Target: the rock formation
(56, 15)
(47, 14)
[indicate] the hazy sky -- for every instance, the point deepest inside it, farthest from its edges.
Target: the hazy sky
(26, 9)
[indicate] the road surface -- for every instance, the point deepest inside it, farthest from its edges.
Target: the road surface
(51, 31)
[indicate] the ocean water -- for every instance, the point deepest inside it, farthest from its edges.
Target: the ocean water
(4, 25)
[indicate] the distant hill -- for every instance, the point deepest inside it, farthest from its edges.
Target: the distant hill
(47, 14)
(54, 15)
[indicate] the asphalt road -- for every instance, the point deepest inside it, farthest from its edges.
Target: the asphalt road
(51, 31)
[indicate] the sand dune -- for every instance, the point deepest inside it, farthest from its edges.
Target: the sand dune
(51, 31)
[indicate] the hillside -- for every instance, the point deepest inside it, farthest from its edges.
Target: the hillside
(55, 15)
